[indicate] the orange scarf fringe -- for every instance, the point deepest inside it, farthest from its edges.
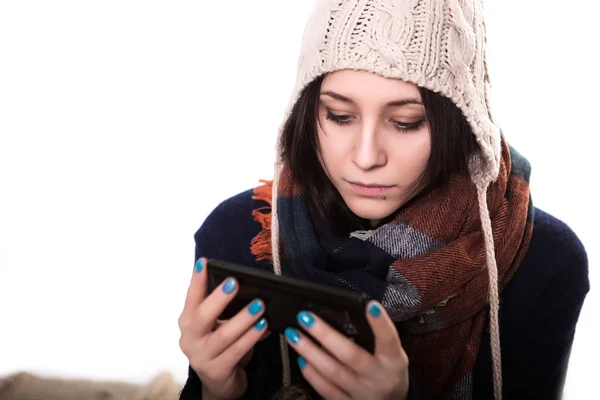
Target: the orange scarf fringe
(260, 246)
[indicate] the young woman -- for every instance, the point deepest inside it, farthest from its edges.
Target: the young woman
(393, 180)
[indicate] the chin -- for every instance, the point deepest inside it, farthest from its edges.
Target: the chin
(371, 208)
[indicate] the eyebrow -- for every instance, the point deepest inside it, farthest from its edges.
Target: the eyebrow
(397, 103)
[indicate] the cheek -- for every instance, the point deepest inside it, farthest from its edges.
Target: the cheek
(411, 156)
(334, 150)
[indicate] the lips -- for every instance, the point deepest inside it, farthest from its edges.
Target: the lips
(370, 189)
(371, 185)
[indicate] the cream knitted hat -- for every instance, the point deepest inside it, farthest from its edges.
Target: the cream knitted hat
(438, 45)
(435, 44)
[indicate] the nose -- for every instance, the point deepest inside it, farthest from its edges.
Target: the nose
(368, 151)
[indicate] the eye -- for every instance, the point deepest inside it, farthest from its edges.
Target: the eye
(339, 119)
(408, 127)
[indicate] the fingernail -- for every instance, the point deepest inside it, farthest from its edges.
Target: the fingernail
(292, 335)
(255, 307)
(229, 286)
(301, 362)
(374, 310)
(261, 324)
(199, 265)
(305, 319)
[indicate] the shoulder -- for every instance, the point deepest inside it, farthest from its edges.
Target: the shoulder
(555, 247)
(539, 310)
(233, 208)
(228, 230)
(555, 253)
(553, 275)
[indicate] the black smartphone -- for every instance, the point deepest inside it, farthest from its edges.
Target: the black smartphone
(285, 297)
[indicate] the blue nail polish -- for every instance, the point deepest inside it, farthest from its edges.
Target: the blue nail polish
(301, 362)
(374, 310)
(229, 285)
(292, 335)
(260, 324)
(305, 319)
(255, 307)
(199, 265)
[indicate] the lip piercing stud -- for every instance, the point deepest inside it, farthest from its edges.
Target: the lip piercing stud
(383, 197)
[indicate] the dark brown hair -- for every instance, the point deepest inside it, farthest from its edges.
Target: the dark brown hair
(452, 142)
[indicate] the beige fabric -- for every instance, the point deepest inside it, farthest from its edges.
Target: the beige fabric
(27, 386)
(435, 44)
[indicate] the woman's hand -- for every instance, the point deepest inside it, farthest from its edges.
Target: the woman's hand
(218, 350)
(341, 369)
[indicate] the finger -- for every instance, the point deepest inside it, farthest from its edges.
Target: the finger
(218, 323)
(236, 352)
(208, 311)
(234, 328)
(246, 358)
(341, 347)
(387, 340)
(196, 291)
(327, 365)
(324, 387)
(265, 335)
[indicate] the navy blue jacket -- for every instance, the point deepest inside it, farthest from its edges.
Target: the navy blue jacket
(539, 308)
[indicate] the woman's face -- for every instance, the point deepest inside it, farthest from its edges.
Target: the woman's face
(374, 140)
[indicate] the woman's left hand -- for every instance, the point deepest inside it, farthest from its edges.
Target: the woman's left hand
(341, 369)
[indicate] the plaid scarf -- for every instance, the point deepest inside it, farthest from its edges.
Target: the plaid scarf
(427, 266)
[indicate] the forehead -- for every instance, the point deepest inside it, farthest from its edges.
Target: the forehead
(363, 86)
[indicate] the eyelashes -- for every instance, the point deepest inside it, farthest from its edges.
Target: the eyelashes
(344, 120)
(338, 119)
(413, 126)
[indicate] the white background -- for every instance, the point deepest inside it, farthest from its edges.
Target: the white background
(124, 123)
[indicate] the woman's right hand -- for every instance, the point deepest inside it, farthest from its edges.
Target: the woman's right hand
(219, 350)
